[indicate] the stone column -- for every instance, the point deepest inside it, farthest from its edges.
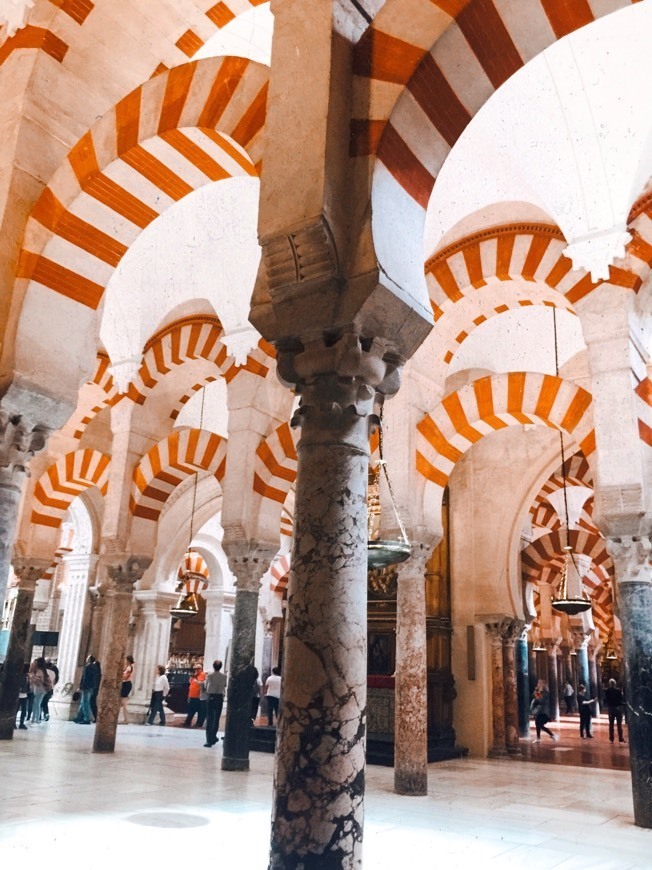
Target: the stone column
(76, 604)
(214, 610)
(151, 643)
(552, 650)
(122, 575)
(317, 816)
(633, 570)
(411, 699)
(27, 573)
(510, 630)
(593, 678)
(523, 684)
(498, 747)
(581, 642)
(248, 568)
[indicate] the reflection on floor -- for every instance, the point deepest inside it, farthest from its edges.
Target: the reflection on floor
(162, 799)
(573, 750)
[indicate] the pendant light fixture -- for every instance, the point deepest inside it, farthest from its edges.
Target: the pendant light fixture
(382, 553)
(191, 583)
(571, 598)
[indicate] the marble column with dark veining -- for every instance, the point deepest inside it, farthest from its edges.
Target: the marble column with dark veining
(248, 569)
(411, 707)
(498, 747)
(317, 815)
(27, 571)
(552, 650)
(523, 684)
(122, 577)
(633, 569)
(510, 631)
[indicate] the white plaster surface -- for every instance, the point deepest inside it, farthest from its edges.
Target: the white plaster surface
(204, 248)
(248, 35)
(566, 133)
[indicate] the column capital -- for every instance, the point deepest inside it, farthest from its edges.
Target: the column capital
(511, 629)
(580, 637)
(249, 565)
(18, 444)
(29, 570)
(124, 574)
(419, 556)
(339, 379)
(552, 645)
(632, 556)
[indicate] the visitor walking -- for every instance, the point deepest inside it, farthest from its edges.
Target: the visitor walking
(273, 694)
(53, 673)
(161, 691)
(255, 697)
(86, 686)
(540, 709)
(97, 680)
(584, 707)
(23, 692)
(569, 695)
(126, 687)
(614, 701)
(194, 698)
(215, 684)
(41, 684)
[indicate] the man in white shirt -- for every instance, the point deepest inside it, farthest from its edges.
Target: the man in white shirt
(273, 694)
(161, 690)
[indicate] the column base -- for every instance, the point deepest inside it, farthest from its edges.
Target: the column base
(411, 784)
(513, 751)
(7, 727)
(235, 763)
(497, 752)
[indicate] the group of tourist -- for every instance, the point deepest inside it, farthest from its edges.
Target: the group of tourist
(613, 701)
(205, 694)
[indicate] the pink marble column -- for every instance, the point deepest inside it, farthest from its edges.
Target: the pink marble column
(511, 629)
(411, 707)
(498, 748)
(123, 576)
(317, 816)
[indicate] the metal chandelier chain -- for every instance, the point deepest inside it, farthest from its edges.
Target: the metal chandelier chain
(561, 434)
(194, 492)
(383, 465)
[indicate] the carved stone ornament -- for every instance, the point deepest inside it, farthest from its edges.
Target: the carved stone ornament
(18, 444)
(304, 254)
(14, 15)
(29, 571)
(125, 575)
(249, 567)
(632, 558)
(511, 630)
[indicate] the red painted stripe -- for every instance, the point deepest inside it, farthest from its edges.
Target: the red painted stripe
(410, 173)
(484, 30)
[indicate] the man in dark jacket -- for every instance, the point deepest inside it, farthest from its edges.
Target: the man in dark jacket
(614, 700)
(86, 688)
(97, 679)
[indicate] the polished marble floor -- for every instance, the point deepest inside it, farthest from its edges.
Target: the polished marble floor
(162, 800)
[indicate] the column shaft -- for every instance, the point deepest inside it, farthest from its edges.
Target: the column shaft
(9, 501)
(17, 653)
(510, 631)
(523, 686)
(108, 701)
(317, 815)
(411, 707)
(241, 680)
(553, 680)
(498, 748)
(635, 611)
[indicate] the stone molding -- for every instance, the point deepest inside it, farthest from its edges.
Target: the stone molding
(632, 557)
(306, 253)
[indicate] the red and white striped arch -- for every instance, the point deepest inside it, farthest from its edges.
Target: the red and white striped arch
(275, 464)
(548, 551)
(546, 517)
(446, 65)
(177, 132)
(178, 344)
(63, 481)
(280, 573)
(492, 403)
(177, 457)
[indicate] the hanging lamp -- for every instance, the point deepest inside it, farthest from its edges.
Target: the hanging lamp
(191, 583)
(610, 654)
(382, 553)
(569, 601)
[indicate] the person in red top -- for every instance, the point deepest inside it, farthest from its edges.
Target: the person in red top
(195, 704)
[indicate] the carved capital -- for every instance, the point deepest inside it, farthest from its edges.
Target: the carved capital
(552, 646)
(340, 378)
(18, 444)
(580, 637)
(632, 558)
(415, 566)
(125, 574)
(249, 566)
(28, 571)
(511, 630)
